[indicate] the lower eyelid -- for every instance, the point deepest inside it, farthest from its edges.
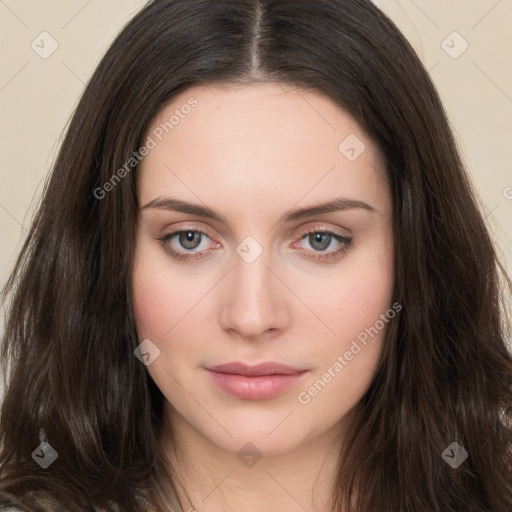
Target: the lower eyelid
(194, 254)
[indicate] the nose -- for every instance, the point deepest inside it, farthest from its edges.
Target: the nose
(254, 302)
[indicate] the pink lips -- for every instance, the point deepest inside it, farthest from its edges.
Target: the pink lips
(258, 382)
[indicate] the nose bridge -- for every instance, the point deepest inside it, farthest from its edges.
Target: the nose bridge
(252, 277)
(253, 302)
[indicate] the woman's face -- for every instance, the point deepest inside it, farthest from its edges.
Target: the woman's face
(268, 281)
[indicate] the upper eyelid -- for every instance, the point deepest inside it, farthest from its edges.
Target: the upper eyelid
(317, 226)
(303, 233)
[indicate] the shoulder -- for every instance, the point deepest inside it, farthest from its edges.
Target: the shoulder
(11, 505)
(8, 504)
(32, 502)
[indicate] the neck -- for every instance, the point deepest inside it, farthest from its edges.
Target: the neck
(218, 480)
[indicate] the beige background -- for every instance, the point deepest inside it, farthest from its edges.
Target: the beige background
(38, 95)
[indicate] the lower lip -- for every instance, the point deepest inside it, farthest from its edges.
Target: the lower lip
(255, 388)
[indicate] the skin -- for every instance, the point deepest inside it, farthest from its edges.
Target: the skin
(254, 152)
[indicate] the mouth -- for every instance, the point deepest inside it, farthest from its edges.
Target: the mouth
(259, 382)
(269, 368)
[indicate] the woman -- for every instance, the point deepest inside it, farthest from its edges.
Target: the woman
(324, 331)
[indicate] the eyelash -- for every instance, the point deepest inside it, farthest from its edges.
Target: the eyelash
(318, 255)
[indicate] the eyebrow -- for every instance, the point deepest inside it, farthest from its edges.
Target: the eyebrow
(338, 204)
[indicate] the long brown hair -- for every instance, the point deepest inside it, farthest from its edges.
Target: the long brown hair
(67, 352)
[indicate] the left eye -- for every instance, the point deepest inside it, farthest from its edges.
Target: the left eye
(320, 240)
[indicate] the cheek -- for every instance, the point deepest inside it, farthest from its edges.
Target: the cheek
(152, 302)
(158, 297)
(346, 361)
(166, 297)
(352, 300)
(366, 297)
(353, 306)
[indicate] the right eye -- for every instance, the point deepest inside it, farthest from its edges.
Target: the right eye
(188, 239)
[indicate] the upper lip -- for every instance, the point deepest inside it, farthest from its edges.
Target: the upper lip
(269, 368)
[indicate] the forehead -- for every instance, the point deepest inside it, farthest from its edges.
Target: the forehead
(258, 142)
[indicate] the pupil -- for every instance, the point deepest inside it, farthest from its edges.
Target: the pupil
(187, 239)
(318, 239)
